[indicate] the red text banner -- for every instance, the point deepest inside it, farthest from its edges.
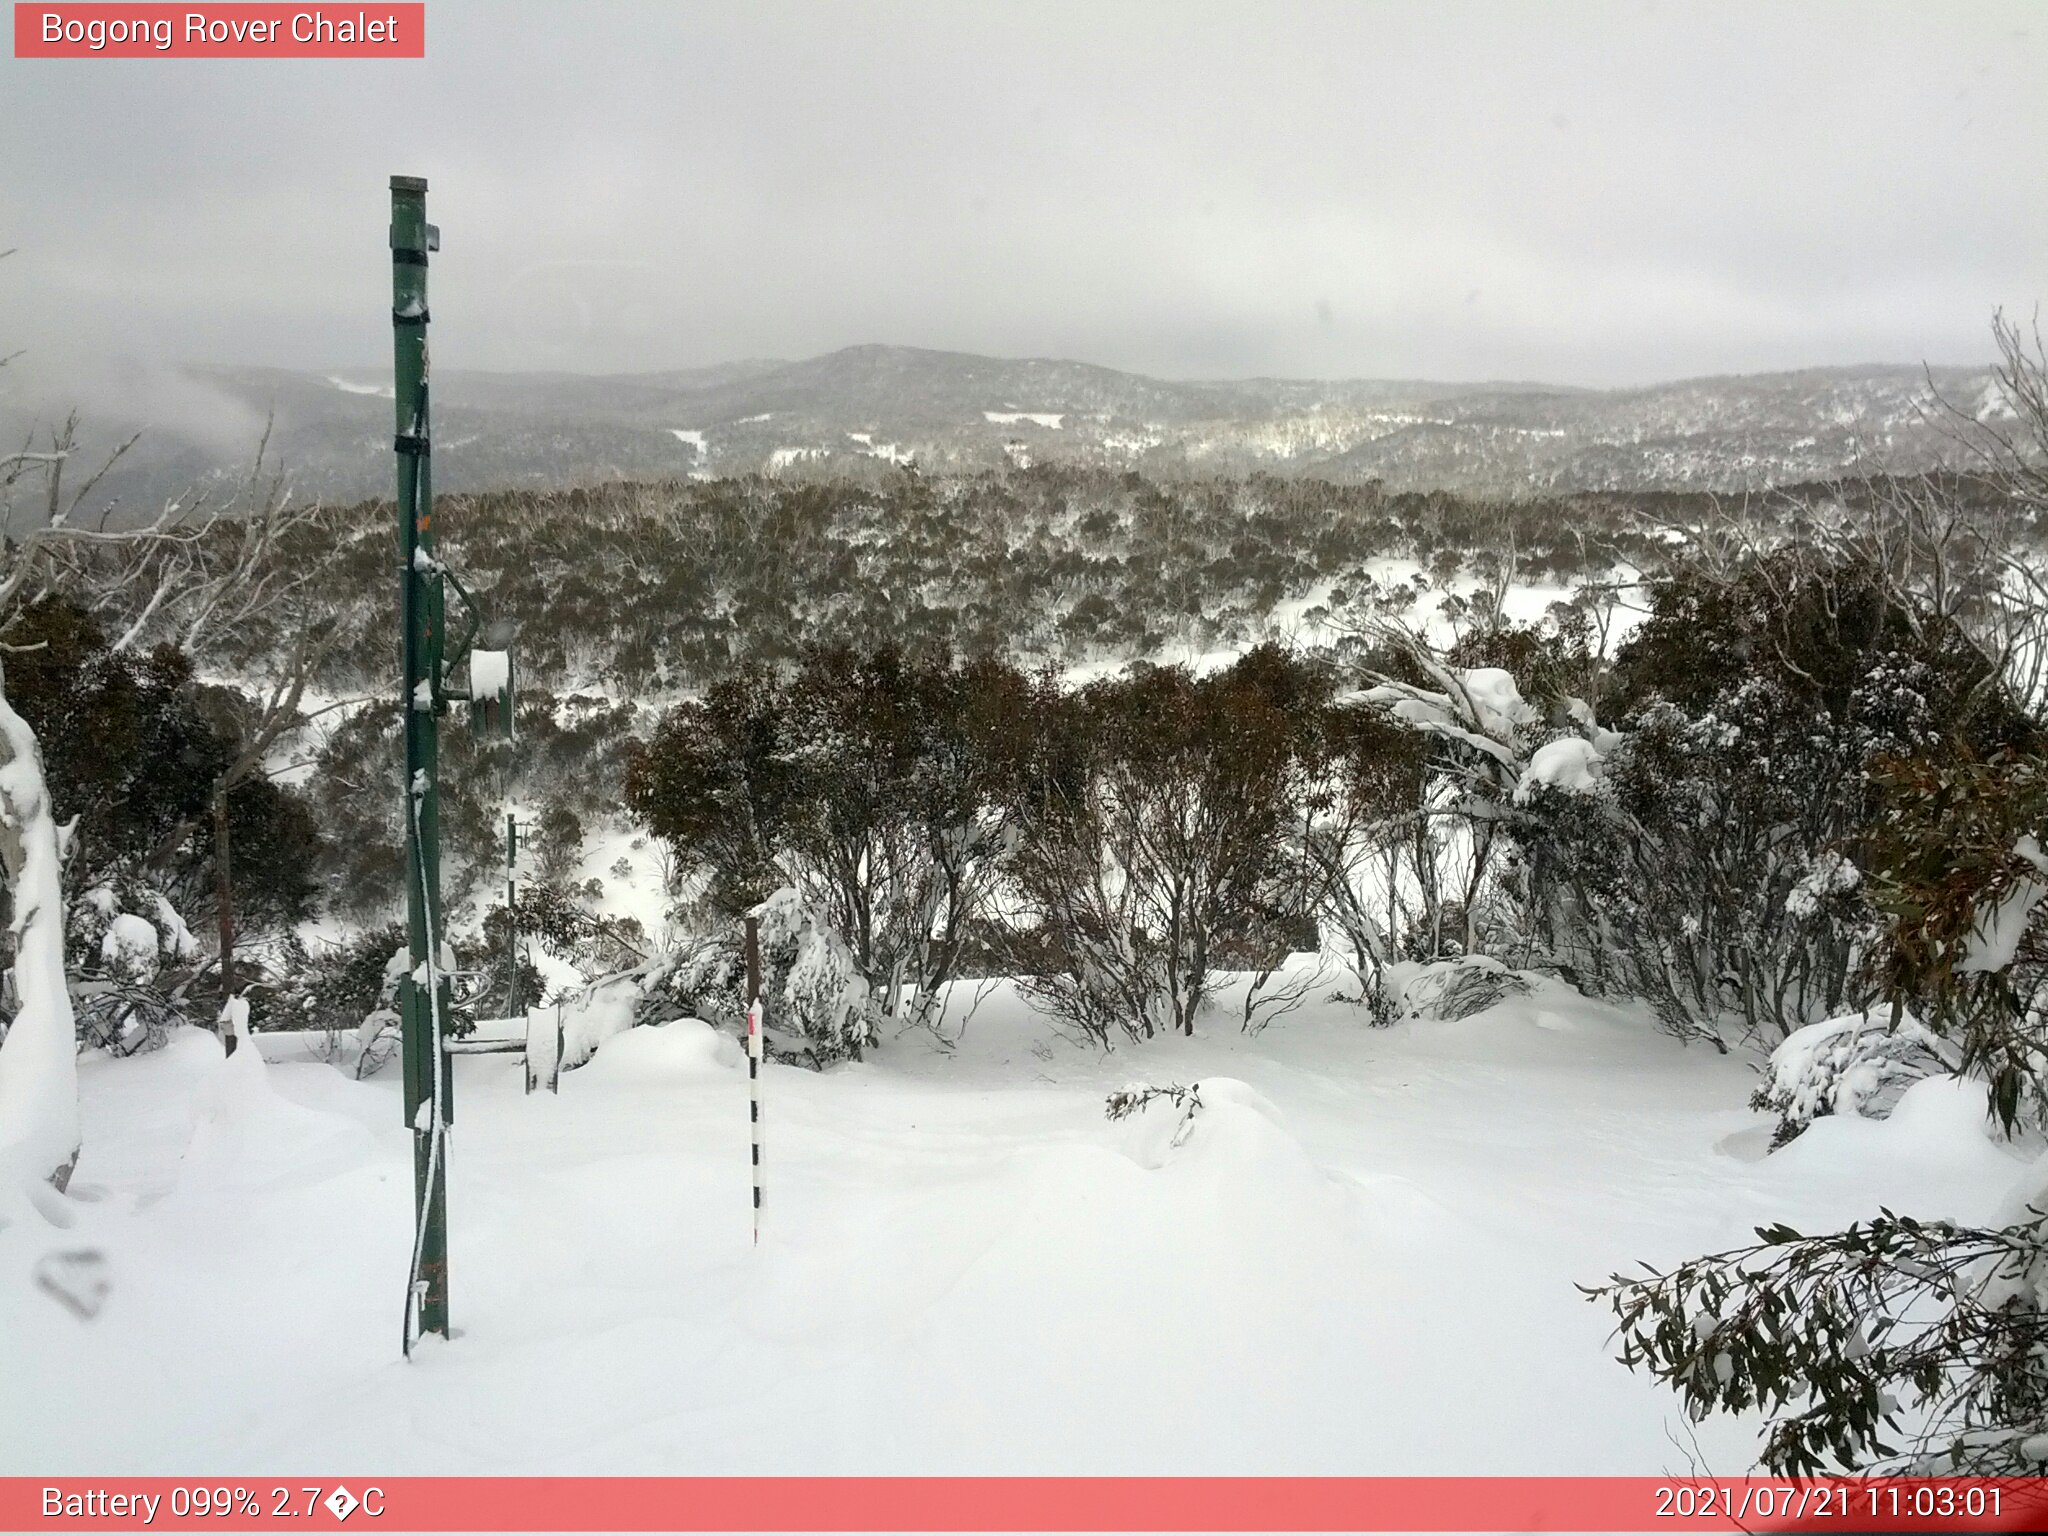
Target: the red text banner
(394, 1504)
(114, 31)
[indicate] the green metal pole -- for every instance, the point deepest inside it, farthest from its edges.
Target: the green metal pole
(423, 994)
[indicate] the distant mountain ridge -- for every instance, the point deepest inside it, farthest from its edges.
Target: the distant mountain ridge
(866, 410)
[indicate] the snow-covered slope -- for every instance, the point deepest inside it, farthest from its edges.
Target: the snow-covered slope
(1360, 1261)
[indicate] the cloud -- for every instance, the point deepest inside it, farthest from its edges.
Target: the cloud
(1592, 193)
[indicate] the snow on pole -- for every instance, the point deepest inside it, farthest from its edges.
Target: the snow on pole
(754, 1058)
(234, 1021)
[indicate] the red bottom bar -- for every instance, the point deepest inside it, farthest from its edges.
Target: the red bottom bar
(1024, 1504)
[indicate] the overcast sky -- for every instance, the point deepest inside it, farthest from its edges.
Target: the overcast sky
(1588, 193)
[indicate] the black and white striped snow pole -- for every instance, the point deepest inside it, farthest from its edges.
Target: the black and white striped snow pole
(754, 1048)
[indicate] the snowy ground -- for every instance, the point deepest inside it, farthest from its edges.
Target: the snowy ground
(1361, 1261)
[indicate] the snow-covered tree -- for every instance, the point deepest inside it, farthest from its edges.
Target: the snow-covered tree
(39, 1130)
(875, 786)
(43, 547)
(1898, 1344)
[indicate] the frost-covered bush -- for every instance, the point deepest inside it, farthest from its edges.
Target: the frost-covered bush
(1857, 1064)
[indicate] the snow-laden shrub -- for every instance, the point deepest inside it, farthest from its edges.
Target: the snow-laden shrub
(1454, 989)
(1857, 1064)
(129, 956)
(1697, 865)
(348, 994)
(124, 928)
(817, 1003)
(814, 975)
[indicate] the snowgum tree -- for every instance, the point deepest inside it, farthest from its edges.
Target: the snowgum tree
(1361, 834)
(39, 1125)
(876, 786)
(1903, 1344)
(1489, 749)
(1153, 837)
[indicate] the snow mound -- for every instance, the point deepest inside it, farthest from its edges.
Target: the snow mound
(191, 1058)
(687, 1050)
(246, 1136)
(1939, 1141)
(1228, 1136)
(1944, 1114)
(595, 1015)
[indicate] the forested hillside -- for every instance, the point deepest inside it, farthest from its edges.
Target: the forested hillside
(857, 413)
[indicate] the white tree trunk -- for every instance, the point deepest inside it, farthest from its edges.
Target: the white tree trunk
(39, 1135)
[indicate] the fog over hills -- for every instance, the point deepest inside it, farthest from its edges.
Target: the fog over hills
(864, 410)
